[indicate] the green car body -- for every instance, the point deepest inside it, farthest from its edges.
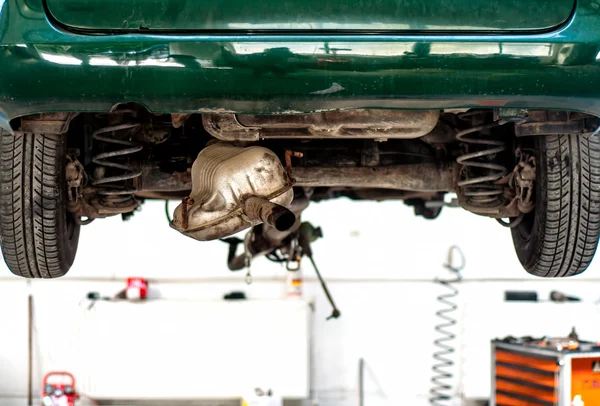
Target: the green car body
(535, 54)
(246, 112)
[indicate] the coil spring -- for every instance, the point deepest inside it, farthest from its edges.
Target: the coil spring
(112, 189)
(441, 391)
(482, 190)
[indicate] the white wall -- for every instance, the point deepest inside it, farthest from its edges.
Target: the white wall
(379, 261)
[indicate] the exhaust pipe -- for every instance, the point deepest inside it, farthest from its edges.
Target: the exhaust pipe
(260, 210)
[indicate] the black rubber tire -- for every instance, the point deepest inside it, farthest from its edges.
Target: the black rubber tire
(39, 236)
(559, 238)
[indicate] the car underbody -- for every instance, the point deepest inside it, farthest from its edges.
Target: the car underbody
(247, 114)
(233, 172)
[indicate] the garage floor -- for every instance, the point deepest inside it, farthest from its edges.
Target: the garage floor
(171, 402)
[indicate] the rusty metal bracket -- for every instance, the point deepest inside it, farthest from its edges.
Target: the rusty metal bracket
(523, 181)
(547, 122)
(76, 179)
(186, 203)
(288, 162)
(74, 176)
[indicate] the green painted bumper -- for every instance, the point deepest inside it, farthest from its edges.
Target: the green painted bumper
(44, 69)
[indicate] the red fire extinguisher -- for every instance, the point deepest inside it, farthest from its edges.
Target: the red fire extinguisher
(59, 389)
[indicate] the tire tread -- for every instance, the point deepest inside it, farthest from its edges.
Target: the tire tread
(569, 237)
(31, 204)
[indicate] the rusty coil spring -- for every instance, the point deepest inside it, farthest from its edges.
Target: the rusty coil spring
(482, 190)
(112, 186)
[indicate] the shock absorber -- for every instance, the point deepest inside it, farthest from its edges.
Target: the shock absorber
(114, 190)
(478, 185)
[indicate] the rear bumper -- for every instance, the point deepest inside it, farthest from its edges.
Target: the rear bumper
(44, 69)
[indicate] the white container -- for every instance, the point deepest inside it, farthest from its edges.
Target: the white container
(295, 283)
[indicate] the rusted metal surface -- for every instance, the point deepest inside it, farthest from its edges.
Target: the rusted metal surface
(523, 181)
(548, 122)
(185, 207)
(385, 194)
(370, 124)
(152, 134)
(288, 161)
(485, 185)
(179, 119)
(76, 204)
(370, 194)
(531, 129)
(517, 193)
(265, 238)
(426, 177)
(91, 202)
(299, 204)
(154, 179)
(261, 210)
(74, 176)
(90, 206)
(114, 204)
(177, 195)
(84, 212)
(47, 123)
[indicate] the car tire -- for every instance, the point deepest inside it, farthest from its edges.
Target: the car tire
(39, 236)
(559, 238)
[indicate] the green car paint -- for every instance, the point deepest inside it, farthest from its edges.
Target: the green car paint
(46, 67)
(347, 15)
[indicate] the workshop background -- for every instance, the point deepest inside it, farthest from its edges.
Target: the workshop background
(382, 266)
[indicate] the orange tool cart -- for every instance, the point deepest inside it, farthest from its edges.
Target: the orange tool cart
(545, 372)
